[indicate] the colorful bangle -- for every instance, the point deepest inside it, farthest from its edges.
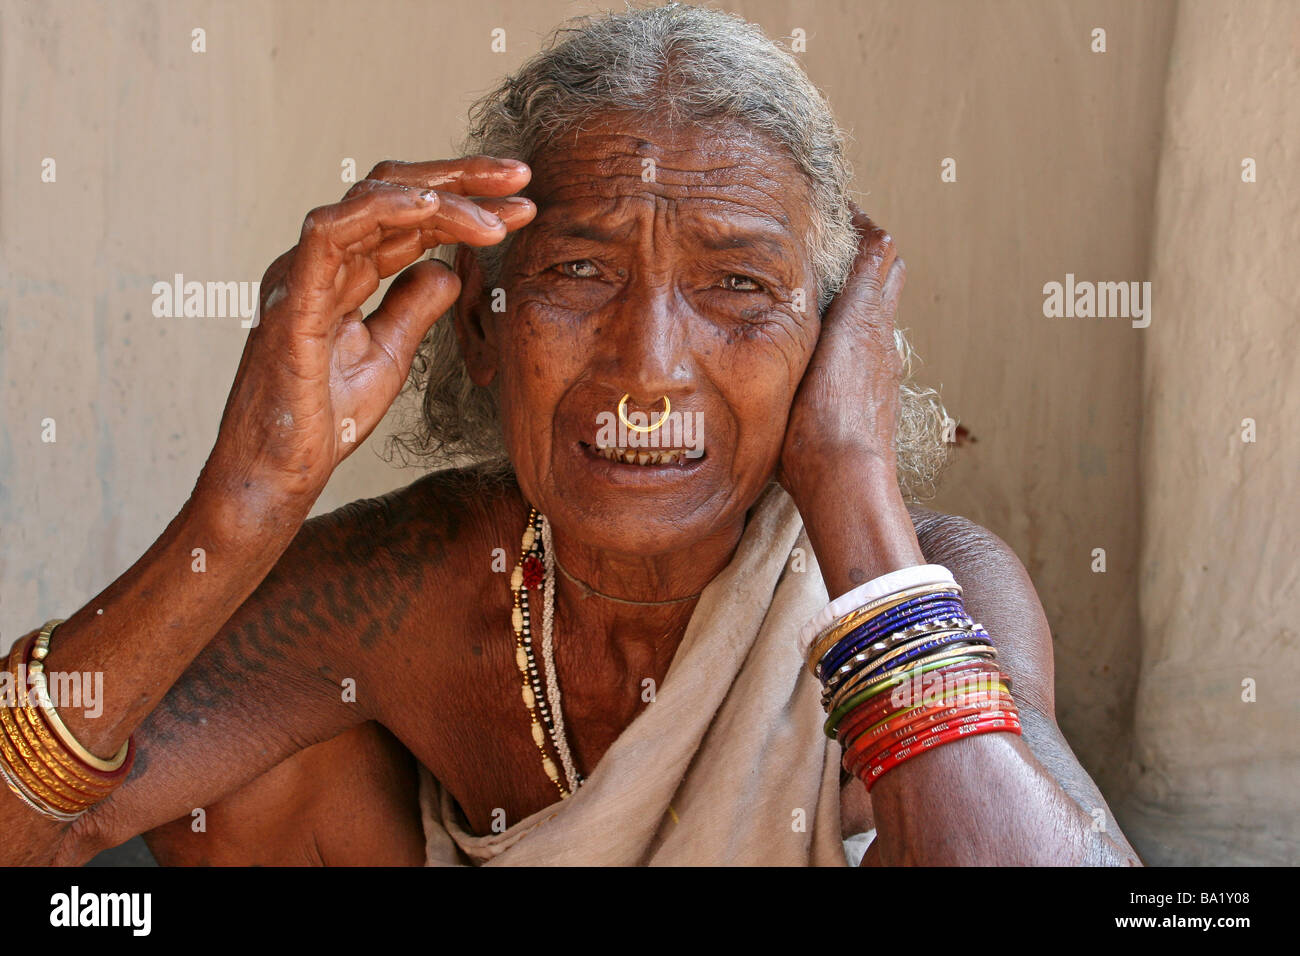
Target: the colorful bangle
(913, 614)
(940, 684)
(881, 709)
(884, 586)
(904, 671)
(907, 727)
(867, 758)
(899, 657)
(896, 660)
(891, 760)
(873, 651)
(853, 695)
(856, 618)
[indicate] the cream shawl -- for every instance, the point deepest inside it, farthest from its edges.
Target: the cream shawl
(727, 766)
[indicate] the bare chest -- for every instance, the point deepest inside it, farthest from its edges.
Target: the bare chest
(457, 699)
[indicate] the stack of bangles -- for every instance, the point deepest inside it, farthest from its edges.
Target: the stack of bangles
(40, 759)
(904, 670)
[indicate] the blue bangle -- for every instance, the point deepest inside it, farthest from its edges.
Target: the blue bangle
(898, 619)
(878, 649)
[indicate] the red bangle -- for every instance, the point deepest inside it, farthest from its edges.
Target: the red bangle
(906, 722)
(908, 729)
(863, 757)
(965, 727)
(894, 758)
(872, 713)
(881, 727)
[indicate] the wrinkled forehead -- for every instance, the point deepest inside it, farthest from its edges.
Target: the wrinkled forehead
(618, 167)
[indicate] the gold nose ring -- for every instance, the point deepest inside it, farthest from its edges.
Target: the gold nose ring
(622, 415)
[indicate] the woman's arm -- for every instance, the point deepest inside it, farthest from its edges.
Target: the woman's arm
(993, 799)
(140, 634)
(986, 799)
(265, 687)
(313, 382)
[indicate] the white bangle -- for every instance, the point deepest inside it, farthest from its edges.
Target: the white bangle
(874, 590)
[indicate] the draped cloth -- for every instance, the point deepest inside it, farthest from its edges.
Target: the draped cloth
(727, 766)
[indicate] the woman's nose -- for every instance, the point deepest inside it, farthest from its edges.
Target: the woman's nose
(650, 357)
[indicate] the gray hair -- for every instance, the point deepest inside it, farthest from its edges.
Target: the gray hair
(689, 65)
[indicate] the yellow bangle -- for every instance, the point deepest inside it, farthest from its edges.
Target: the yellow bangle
(43, 744)
(20, 769)
(36, 672)
(54, 757)
(31, 769)
(32, 801)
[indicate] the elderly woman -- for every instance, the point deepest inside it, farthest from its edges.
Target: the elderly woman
(667, 343)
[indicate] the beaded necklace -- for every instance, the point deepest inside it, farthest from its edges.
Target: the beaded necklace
(536, 571)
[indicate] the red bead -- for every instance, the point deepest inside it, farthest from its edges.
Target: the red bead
(534, 572)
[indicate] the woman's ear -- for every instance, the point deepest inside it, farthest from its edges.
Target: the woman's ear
(475, 330)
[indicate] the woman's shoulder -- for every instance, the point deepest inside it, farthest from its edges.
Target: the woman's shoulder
(431, 520)
(999, 593)
(956, 541)
(994, 580)
(378, 565)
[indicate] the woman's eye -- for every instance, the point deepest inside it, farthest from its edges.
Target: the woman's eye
(579, 269)
(741, 283)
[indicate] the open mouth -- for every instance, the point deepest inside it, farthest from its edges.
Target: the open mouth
(647, 457)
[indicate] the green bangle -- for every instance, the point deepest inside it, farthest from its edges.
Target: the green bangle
(953, 655)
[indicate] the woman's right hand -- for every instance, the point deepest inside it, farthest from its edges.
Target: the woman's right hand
(315, 377)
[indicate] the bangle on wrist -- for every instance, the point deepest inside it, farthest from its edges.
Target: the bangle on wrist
(880, 649)
(41, 761)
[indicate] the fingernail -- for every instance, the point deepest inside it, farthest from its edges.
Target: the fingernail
(489, 219)
(428, 195)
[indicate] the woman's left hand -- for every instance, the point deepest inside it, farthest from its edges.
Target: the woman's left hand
(845, 410)
(838, 460)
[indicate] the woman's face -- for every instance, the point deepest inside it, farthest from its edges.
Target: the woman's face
(661, 263)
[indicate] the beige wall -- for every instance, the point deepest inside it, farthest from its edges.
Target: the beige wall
(1216, 774)
(204, 164)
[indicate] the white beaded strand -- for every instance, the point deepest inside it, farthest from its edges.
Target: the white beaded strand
(560, 738)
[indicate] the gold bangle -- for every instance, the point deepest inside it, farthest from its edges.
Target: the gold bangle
(17, 789)
(36, 672)
(20, 765)
(832, 635)
(26, 762)
(58, 762)
(43, 743)
(42, 646)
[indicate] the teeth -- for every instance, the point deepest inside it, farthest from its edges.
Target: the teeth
(632, 456)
